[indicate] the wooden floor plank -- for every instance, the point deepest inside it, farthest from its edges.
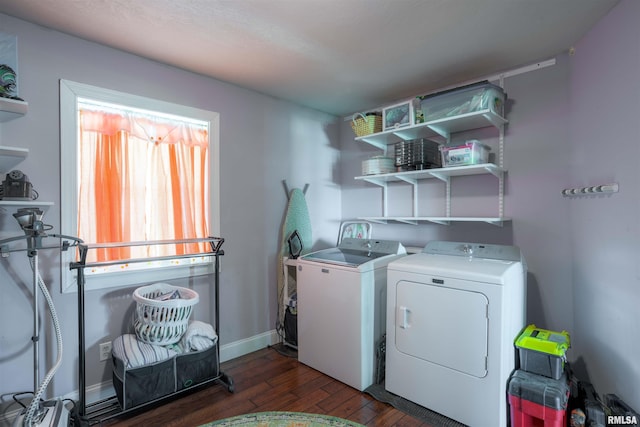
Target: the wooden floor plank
(269, 381)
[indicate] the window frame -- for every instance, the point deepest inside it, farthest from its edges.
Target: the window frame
(70, 92)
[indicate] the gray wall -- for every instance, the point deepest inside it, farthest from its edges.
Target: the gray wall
(263, 141)
(605, 131)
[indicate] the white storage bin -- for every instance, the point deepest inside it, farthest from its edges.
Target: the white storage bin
(464, 100)
(470, 153)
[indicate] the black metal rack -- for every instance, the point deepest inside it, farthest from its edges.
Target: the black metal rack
(110, 408)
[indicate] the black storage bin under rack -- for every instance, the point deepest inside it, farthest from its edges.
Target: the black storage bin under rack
(141, 384)
(197, 367)
(144, 384)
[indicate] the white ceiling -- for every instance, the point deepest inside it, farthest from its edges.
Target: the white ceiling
(337, 56)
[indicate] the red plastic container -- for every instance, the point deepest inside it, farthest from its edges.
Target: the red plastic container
(528, 414)
(537, 401)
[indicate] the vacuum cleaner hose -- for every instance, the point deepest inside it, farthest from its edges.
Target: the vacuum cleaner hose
(35, 403)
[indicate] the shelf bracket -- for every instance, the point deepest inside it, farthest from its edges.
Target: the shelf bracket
(409, 180)
(384, 186)
(497, 172)
(375, 181)
(371, 141)
(441, 131)
(438, 221)
(442, 177)
(375, 220)
(414, 183)
(407, 221)
(496, 121)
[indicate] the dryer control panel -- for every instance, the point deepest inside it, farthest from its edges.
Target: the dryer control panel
(373, 246)
(474, 250)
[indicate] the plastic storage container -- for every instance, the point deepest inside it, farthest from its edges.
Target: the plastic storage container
(470, 153)
(535, 400)
(467, 99)
(542, 351)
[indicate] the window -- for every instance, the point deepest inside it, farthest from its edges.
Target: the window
(136, 169)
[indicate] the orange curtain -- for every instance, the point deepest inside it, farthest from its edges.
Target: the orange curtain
(142, 179)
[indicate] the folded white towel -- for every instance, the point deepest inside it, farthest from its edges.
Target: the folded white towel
(199, 336)
(134, 353)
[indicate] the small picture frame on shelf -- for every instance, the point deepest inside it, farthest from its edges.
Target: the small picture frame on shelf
(397, 116)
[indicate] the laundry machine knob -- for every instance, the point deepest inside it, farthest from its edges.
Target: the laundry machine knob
(467, 249)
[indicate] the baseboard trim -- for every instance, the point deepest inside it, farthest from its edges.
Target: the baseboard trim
(248, 345)
(104, 390)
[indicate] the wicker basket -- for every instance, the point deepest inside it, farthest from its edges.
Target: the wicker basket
(366, 125)
(163, 322)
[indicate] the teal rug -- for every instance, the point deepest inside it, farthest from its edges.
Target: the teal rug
(283, 419)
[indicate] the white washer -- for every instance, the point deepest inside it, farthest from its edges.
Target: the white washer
(342, 308)
(453, 313)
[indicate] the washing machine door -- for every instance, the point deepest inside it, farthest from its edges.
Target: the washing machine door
(444, 325)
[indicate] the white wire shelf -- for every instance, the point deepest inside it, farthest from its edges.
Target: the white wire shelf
(440, 129)
(439, 173)
(442, 220)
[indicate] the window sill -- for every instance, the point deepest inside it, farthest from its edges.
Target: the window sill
(120, 279)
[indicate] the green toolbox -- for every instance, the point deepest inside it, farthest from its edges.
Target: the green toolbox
(543, 352)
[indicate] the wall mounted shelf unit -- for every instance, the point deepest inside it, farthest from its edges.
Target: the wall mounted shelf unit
(11, 156)
(440, 131)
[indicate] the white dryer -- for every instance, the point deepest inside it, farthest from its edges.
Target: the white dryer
(342, 308)
(453, 313)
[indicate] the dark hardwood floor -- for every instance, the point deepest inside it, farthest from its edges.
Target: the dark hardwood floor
(269, 381)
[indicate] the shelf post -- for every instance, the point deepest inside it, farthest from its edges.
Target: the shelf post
(385, 204)
(501, 165)
(447, 190)
(414, 184)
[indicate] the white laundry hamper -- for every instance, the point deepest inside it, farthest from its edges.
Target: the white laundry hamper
(163, 322)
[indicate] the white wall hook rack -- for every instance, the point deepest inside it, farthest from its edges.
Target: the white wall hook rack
(587, 191)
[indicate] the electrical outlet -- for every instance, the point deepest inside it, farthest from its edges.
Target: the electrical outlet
(105, 351)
